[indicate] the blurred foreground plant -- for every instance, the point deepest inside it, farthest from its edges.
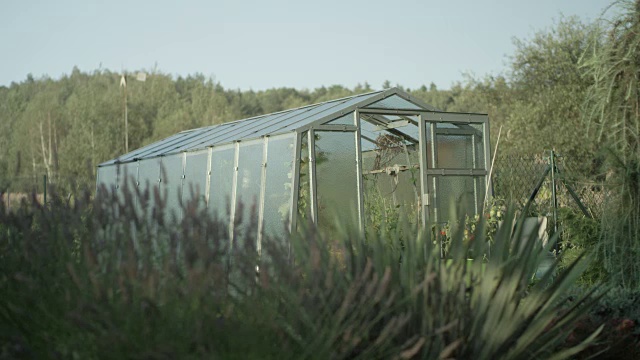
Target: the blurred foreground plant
(112, 278)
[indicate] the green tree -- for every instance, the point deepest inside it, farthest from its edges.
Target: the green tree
(548, 89)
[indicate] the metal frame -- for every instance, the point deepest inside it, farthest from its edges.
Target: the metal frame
(263, 181)
(180, 199)
(343, 128)
(313, 191)
(434, 162)
(207, 190)
(295, 184)
(425, 204)
(234, 187)
(487, 156)
(372, 119)
(359, 176)
(206, 172)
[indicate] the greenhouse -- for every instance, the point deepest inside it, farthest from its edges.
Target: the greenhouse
(341, 158)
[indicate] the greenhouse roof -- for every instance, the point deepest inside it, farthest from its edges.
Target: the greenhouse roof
(298, 119)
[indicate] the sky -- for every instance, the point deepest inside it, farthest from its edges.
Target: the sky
(247, 44)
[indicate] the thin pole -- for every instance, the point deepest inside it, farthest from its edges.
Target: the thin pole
(126, 121)
(493, 161)
(554, 198)
(44, 178)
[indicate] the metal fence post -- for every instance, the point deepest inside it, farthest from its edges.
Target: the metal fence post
(554, 199)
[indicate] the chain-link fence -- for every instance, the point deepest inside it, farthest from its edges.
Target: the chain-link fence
(516, 177)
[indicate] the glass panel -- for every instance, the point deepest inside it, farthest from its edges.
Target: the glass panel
(172, 147)
(195, 177)
(148, 177)
(205, 137)
(394, 102)
(314, 113)
(243, 127)
(479, 146)
(392, 180)
(441, 125)
(279, 178)
(268, 124)
(159, 147)
(454, 151)
(135, 153)
(171, 185)
(336, 172)
(372, 129)
(222, 169)
(127, 181)
(343, 120)
(248, 189)
(464, 193)
(107, 178)
(127, 175)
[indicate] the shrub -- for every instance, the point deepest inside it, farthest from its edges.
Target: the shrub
(581, 234)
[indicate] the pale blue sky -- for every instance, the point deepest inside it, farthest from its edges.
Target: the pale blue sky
(265, 44)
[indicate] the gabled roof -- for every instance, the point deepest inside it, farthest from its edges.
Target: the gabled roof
(298, 119)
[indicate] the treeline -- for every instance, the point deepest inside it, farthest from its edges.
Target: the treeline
(65, 127)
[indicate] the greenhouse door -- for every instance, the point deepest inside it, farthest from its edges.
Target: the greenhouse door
(455, 150)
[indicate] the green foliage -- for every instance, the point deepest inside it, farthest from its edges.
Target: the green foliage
(549, 89)
(64, 128)
(580, 235)
(617, 312)
(493, 215)
(112, 279)
(619, 303)
(612, 108)
(382, 214)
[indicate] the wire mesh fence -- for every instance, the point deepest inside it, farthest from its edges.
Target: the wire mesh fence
(516, 177)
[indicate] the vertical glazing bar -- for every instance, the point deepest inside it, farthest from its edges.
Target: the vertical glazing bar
(475, 178)
(97, 182)
(135, 188)
(159, 179)
(360, 179)
(117, 183)
(234, 186)
(424, 187)
(180, 197)
(434, 164)
(263, 181)
(295, 184)
(487, 156)
(311, 141)
(207, 191)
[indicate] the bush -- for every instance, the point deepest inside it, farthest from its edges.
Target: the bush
(113, 279)
(581, 234)
(618, 313)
